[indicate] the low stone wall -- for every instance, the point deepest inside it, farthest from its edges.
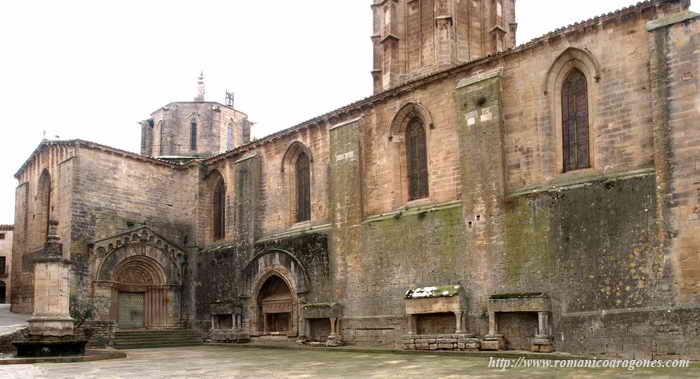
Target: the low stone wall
(228, 336)
(449, 342)
(101, 333)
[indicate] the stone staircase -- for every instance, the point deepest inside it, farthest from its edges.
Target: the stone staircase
(144, 339)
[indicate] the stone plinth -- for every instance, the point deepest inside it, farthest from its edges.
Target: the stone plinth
(51, 298)
(51, 327)
(445, 342)
(493, 343)
(229, 336)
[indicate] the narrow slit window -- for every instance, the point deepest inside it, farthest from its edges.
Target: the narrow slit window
(575, 121)
(193, 135)
(417, 160)
(303, 182)
(220, 211)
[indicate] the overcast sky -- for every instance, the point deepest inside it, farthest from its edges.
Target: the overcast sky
(93, 69)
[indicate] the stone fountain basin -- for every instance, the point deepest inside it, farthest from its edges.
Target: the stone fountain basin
(37, 347)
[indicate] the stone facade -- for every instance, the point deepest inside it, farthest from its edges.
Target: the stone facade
(6, 232)
(600, 260)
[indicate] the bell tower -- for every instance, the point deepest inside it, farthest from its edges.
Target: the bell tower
(413, 38)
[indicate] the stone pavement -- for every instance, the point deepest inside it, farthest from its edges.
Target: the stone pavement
(9, 322)
(230, 362)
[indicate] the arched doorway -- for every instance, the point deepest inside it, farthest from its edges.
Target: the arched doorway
(141, 295)
(276, 305)
(139, 280)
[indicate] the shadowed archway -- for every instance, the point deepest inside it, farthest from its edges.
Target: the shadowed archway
(275, 304)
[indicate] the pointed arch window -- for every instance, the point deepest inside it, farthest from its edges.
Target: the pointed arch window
(161, 137)
(417, 160)
(220, 211)
(575, 121)
(44, 205)
(193, 135)
(303, 184)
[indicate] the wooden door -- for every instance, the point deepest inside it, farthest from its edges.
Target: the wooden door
(131, 310)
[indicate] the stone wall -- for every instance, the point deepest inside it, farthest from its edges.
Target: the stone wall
(114, 195)
(233, 273)
(56, 161)
(101, 333)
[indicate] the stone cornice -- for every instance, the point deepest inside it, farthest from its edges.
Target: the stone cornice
(78, 143)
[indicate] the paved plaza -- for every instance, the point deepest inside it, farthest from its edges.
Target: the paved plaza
(231, 362)
(9, 322)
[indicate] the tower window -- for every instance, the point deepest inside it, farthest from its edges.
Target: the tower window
(229, 137)
(193, 136)
(303, 182)
(574, 104)
(417, 160)
(2, 236)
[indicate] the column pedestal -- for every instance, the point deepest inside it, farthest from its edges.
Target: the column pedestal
(334, 339)
(51, 327)
(543, 341)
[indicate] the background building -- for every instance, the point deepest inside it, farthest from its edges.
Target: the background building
(6, 232)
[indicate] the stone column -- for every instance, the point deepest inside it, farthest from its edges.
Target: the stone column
(543, 319)
(460, 323)
(412, 325)
(543, 341)
(333, 320)
(51, 290)
(493, 324)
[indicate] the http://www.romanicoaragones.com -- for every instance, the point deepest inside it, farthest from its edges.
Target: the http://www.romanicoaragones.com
(628, 364)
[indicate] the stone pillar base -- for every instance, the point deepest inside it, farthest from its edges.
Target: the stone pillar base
(301, 340)
(334, 341)
(493, 343)
(542, 344)
(472, 344)
(447, 342)
(51, 326)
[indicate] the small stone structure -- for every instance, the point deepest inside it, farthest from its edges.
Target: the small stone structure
(435, 307)
(317, 313)
(51, 326)
(519, 303)
(227, 323)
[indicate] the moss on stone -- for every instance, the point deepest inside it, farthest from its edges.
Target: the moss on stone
(527, 239)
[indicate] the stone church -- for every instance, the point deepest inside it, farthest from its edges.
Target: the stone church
(488, 196)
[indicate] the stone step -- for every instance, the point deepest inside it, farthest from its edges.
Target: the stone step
(121, 340)
(142, 339)
(153, 346)
(157, 336)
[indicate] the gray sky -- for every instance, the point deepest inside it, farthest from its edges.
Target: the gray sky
(93, 69)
